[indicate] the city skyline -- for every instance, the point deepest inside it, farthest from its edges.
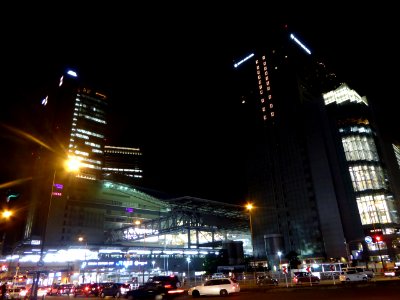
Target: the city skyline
(173, 99)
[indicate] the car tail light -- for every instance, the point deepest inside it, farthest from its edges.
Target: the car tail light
(168, 286)
(179, 291)
(389, 273)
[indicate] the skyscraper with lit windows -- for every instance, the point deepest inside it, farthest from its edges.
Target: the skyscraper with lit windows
(372, 184)
(300, 180)
(123, 164)
(73, 125)
(80, 117)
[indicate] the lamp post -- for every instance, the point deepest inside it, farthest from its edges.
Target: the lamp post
(279, 253)
(375, 211)
(249, 207)
(70, 165)
(188, 262)
(6, 215)
(81, 239)
(280, 261)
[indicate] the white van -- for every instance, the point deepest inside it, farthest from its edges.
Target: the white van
(360, 269)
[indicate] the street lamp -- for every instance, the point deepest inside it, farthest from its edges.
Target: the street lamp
(249, 207)
(6, 215)
(153, 263)
(81, 239)
(70, 165)
(280, 262)
(188, 262)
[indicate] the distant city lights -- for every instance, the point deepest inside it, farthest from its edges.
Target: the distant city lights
(299, 43)
(243, 60)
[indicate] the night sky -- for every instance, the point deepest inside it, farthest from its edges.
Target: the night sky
(169, 74)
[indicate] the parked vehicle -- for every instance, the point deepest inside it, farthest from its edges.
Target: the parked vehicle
(53, 290)
(359, 269)
(218, 275)
(215, 287)
(65, 289)
(87, 289)
(42, 291)
(16, 293)
(392, 272)
(158, 287)
(352, 275)
(266, 280)
(115, 290)
(304, 277)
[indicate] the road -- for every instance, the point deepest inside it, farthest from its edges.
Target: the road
(374, 290)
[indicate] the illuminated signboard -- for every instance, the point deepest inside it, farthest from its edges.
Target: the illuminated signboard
(299, 43)
(58, 187)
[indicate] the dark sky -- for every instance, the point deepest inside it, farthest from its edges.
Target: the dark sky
(168, 76)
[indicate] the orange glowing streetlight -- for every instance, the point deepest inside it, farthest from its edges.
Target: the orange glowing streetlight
(72, 164)
(249, 207)
(6, 214)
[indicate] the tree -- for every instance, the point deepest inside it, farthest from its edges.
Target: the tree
(293, 259)
(212, 261)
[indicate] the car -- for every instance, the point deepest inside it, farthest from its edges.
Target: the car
(157, 287)
(392, 272)
(42, 291)
(53, 290)
(266, 280)
(218, 275)
(115, 290)
(352, 275)
(359, 269)
(87, 289)
(304, 277)
(16, 293)
(65, 289)
(215, 287)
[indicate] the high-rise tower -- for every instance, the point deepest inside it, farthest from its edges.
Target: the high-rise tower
(123, 164)
(73, 123)
(295, 174)
(371, 181)
(316, 179)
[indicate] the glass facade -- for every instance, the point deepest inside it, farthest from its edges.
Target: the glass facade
(369, 180)
(87, 132)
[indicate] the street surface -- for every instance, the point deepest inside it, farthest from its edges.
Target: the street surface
(373, 290)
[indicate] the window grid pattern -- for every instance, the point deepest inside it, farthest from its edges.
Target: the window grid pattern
(359, 147)
(367, 177)
(396, 149)
(374, 209)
